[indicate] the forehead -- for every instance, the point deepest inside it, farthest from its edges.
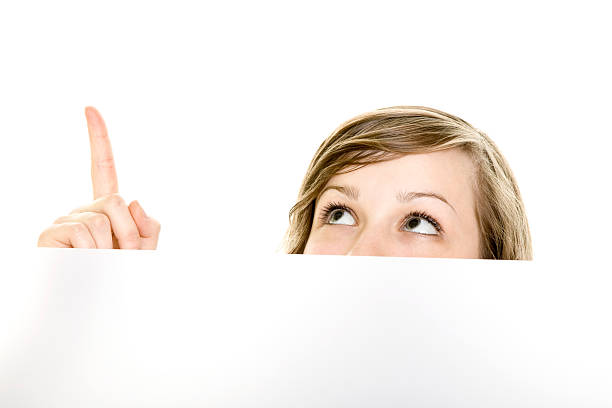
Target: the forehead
(449, 173)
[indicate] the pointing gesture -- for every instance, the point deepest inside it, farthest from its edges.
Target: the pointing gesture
(103, 173)
(107, 222)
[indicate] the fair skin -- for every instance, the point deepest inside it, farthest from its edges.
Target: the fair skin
(107, 222)
(368, 211)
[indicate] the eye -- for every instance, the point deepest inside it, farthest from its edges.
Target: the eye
(336, 213)
(340, 216)
(421, 224)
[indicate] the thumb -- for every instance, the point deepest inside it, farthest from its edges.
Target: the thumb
(148, 228)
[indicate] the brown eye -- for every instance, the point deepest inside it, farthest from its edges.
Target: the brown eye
(340, 216)
(413, 223)
(420, 225)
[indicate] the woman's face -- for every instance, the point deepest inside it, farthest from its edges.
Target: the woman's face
(418, 205)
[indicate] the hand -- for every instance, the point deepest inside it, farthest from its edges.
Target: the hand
(107, 222)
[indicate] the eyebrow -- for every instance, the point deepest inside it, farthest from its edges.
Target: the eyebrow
(403, 196)
(406, 196)
(349, 191)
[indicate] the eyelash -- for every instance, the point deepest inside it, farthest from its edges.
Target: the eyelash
(329, 208)
(426, 217)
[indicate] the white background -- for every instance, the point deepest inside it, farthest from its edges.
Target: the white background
(216, 108)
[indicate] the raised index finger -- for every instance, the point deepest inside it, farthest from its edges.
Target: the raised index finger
(103, 173)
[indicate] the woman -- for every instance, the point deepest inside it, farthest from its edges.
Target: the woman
(409, 181)
(402, 181)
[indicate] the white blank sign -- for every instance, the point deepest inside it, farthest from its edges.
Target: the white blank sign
(152, 329)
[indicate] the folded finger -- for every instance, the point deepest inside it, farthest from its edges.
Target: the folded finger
(98, 224)
(67, 235)
(122, 224)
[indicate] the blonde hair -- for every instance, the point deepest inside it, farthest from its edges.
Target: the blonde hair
(389, 133)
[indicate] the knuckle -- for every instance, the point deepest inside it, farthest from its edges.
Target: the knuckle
(78, 229)
(43, 237)
(61, 220)
(114, 201)
(105, 163)
(100, 222)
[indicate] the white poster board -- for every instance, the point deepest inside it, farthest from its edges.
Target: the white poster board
(102, 328)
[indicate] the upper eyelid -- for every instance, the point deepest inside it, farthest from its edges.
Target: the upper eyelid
(440, 231)
(337, 205)
(424, 216)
